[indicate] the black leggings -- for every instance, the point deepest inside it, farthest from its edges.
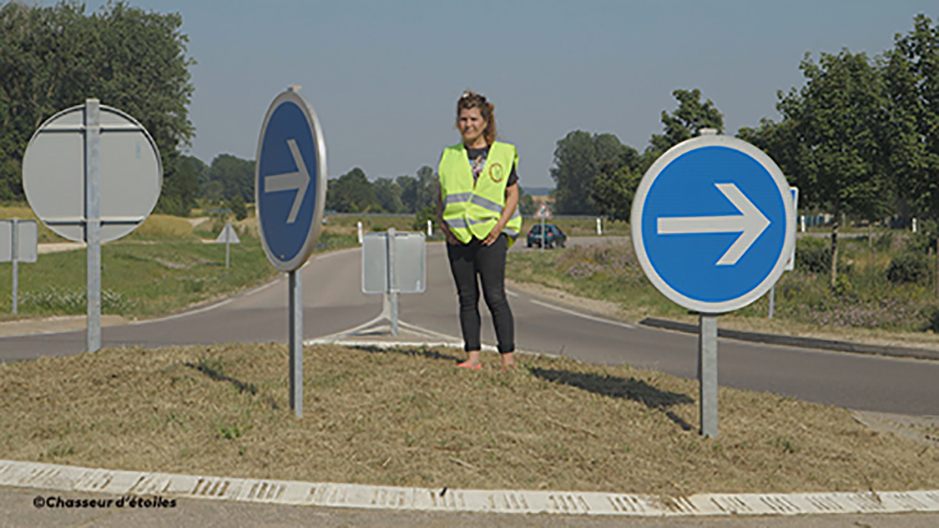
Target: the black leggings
(468, 260)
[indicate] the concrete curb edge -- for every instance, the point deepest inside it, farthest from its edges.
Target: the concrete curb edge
(157, 487)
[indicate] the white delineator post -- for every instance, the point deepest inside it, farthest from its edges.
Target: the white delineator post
(599, 228)
(93, 220)
(430, 229)
(360, 232)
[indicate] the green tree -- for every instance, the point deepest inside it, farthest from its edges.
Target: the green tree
(409, 193)
(684, 123)
(238, 207)
(352, 193)
(779, 141)
(428, 188)
(53, 58)
(230, 176)
(580, 160)
(911, 76)
(573, 174)
(614, 192)
(419, 192)
(388, 194)
(526, 204)
(181, 186)
(838, 118)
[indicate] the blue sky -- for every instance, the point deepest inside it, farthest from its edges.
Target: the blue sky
(384, 76)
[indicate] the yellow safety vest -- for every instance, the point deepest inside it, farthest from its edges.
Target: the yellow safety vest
(472, 211)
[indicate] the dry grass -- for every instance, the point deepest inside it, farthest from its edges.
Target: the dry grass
(408, 417)
(159, 226)
(43, 235)
(156, 226)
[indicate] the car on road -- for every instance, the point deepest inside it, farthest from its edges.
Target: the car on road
(553, 236)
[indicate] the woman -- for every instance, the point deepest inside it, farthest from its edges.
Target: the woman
(476, 211)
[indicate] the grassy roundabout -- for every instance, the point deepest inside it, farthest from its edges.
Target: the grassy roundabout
(409, 418)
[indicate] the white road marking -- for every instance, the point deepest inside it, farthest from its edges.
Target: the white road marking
(331, 254)
(583, 316)
(184, 314)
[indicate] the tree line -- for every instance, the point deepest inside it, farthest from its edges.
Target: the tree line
(354, 193)
(860, 138)
(595, 174)
(229, 180)
(53, 58)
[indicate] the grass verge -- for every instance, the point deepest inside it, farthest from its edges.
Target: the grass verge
(409, 418)
(867, 307)
(141, 278)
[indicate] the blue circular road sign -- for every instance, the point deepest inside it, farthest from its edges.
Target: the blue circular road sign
(290, 181)
(713, 224)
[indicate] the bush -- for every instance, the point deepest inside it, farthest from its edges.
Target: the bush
(925, 237)
(908, 267)
(422, 216)
(930, 315)
(238, 207)
(813, 255)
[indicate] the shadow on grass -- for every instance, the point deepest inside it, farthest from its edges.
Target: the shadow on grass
(428, 353)
(216, 373)
(614, 387)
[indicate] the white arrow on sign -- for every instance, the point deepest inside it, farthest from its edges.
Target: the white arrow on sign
(298, 180)
(750, 224)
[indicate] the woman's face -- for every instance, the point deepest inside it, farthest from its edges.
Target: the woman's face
(471, 126)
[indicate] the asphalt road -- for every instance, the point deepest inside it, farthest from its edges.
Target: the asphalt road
(333, 302)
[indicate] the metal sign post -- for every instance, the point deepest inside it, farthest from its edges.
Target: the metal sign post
(707, 374)
(393, 263)
(93, 220)
(228, 236)
(290, 193)
(542, 235)
(713, 226)
(296, 342)
(543, 213)
(14, 250)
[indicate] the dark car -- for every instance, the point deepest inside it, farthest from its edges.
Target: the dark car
(553, 236)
